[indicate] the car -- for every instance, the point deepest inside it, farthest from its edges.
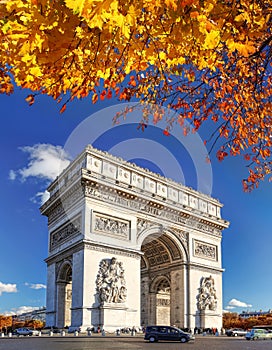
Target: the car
(156, 333)
(257, 333)
(26, 331)
(236, 332)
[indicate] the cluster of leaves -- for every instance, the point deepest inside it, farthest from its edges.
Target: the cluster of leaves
(5, 322)
(206, 59)
(35, 324)
(8, 323)
(232, 320)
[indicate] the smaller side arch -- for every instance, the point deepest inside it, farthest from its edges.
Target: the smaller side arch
(157, 281)
(64, 273)
(64, 294)
(160, 293)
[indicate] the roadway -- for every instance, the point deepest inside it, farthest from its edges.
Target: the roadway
(129, 343)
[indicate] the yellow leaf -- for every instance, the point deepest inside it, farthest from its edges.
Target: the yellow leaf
(36, 71)
(24, 51)
(171, 3)
(242, 17)
(212, 39)
(38, 41)
(75, 5)
(28, 58)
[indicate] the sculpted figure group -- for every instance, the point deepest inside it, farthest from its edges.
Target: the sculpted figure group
(207, 294)
(110, 282)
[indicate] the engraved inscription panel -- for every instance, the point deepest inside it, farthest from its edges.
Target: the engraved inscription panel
(205, 250)
(111, 226)
(67, 231)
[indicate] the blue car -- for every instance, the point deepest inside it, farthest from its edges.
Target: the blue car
(257, 333)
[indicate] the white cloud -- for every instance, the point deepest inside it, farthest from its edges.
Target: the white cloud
(41, 197)
(238, 303)
(45, 161)
(7, 288)
(230, 307)
(21, 310)
(36, 285)
(12, 175)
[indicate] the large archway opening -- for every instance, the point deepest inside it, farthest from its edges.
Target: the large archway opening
(163, 297)
(64, 296)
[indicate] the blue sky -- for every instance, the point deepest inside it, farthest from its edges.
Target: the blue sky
(29, 137)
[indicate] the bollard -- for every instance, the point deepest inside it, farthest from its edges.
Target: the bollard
(117, 332)
(10, 335)
(40, 334)
(50, 333)
(62, 333)
(2, 334)
(133, 332)
(89, 333)
(76, 333)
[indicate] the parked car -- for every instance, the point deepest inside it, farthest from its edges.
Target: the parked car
(26, 331)
(236, 332)
(257, 333)
(156, 333)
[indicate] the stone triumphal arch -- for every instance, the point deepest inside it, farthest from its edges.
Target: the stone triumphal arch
(128, 247)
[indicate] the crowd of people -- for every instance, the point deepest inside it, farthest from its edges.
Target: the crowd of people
(209, 331)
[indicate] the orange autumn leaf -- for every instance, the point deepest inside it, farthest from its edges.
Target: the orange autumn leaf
(94, 98)
(63, 108)
(30, 99)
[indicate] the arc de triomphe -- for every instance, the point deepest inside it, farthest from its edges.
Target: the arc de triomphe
(128, 247)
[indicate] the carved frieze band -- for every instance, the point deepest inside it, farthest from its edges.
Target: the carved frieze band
(112, 251)
(111, 226)
(55, 213)
(205, 250)
(65, 203)
(207, 269)
(65, 232)
(174, 217)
